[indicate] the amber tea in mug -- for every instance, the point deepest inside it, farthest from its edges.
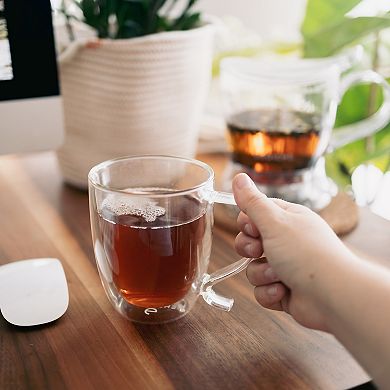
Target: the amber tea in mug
(154, 257)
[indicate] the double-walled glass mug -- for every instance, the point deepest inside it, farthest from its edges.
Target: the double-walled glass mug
(151, 219)
(280, 116)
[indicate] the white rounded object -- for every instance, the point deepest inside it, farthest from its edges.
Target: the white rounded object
(33, 292)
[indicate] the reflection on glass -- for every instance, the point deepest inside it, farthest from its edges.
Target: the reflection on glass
(5, 55)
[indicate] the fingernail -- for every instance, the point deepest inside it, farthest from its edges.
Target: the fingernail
(269, 273)
(248, 229)
(249, 249)
(243, 181)
(273, 290)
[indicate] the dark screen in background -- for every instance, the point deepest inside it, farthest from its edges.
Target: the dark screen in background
(30, 35)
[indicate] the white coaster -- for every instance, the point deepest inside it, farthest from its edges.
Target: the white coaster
(33, 292)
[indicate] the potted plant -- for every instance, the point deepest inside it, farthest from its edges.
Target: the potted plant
(139, 87)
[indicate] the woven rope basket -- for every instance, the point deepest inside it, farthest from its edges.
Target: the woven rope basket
(135, 96)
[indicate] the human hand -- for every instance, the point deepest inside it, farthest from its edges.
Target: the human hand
(301, 251)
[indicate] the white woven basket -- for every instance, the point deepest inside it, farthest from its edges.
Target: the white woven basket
(135, 96)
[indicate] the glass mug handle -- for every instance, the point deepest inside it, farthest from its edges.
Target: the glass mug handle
(208, 281)
(366, 127)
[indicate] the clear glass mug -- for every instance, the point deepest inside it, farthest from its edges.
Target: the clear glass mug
(152, 219)
(280, 116)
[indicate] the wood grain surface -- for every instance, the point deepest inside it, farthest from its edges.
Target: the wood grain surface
(92, 347)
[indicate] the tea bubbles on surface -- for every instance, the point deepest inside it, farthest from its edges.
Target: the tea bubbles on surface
(140, 207)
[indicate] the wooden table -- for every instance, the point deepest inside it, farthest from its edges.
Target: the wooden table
(92, 347)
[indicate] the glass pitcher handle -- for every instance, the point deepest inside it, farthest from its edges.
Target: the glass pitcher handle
(206, 289)
(366, 127)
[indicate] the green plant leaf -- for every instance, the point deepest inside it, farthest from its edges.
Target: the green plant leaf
(341, 163)
(186, 19)
(322, 13)
(135, 18)
(152, 16)
(354, 154)
(129, 29)
(354, 105)
(329, 40)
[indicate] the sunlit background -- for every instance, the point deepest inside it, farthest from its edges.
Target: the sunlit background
(273, 28)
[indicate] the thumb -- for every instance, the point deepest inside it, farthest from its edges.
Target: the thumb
(261, 210)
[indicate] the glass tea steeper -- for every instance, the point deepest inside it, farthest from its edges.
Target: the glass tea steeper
(151, 219)
(280, 116)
